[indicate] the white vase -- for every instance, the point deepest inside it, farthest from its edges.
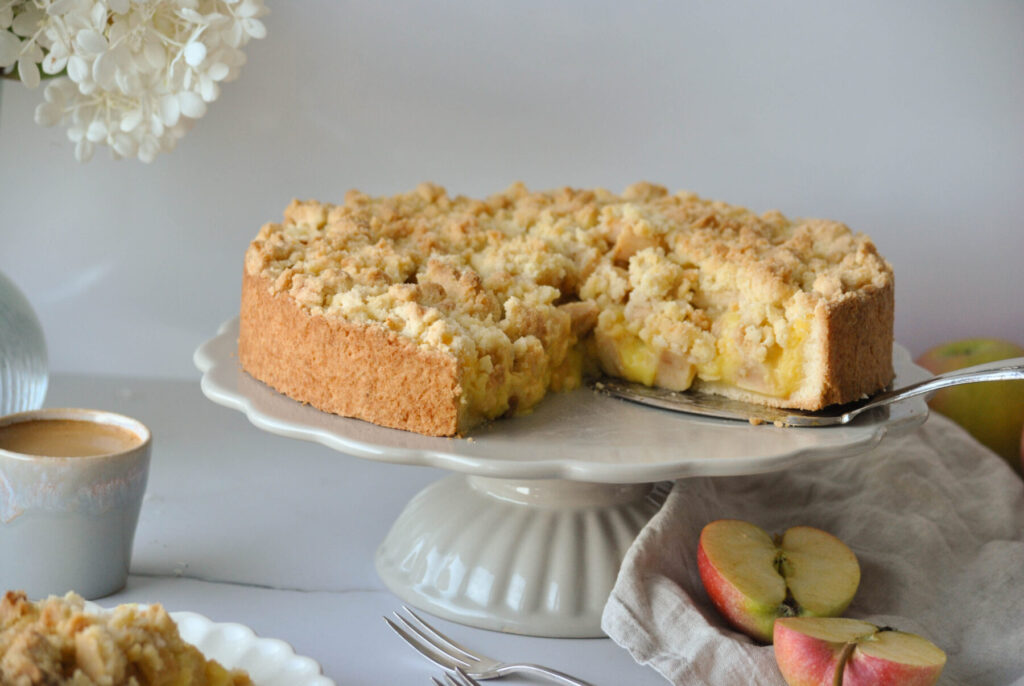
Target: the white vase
(23, 368)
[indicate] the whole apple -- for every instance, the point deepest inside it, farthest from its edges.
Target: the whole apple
(991, 412)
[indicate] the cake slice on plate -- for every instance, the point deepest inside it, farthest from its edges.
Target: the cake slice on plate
(59, 641)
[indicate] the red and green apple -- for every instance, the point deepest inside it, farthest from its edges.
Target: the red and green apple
(836, 651)
(754, 578)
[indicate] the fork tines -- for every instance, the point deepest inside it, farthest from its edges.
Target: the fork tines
(460, 678)
(453, 657)
(430, 642)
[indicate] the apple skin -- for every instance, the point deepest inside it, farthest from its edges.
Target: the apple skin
(774, 577)
(992, 412)
(749, 616)
(808, 656)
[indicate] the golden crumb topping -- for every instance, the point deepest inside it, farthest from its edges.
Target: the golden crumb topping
(56, 641)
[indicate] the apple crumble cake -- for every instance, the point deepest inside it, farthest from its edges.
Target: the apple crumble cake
(434, 313)
(58, 641)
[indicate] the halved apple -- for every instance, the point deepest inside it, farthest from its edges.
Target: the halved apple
(753, 578)
(816, 651)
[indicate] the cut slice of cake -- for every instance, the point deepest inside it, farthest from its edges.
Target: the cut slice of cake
(433, 313)
(59, 641)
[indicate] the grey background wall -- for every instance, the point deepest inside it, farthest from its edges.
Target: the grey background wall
(904, 120)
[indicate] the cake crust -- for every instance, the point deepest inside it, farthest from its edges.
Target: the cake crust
(353, 370)
(858, 355)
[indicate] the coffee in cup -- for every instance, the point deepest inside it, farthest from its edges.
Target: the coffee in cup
(66, 438)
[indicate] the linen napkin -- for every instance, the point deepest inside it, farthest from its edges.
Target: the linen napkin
(935, 519)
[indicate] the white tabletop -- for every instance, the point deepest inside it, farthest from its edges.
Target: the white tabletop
(277, 534)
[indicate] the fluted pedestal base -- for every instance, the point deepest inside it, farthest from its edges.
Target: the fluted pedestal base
(528, 557)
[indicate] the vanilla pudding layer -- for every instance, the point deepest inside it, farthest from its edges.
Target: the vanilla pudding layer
(434, 313)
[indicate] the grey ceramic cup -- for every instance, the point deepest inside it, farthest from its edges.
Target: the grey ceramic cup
(68, 523)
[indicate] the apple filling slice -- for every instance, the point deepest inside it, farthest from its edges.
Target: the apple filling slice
(762, 355)
(627, 356)
(754, 578)
(765, 358)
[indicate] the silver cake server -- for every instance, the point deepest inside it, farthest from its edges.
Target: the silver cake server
(708, 405)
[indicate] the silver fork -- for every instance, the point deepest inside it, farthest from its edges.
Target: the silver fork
(447, 654)
(459, 679)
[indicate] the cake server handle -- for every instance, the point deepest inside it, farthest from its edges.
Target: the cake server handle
(1000, 370)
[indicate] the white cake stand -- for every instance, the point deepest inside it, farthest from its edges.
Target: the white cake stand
(527, 534)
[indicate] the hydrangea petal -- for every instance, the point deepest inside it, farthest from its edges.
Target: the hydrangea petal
(233, 36)
(218, 71)
(130, 84)
(190, 15)
(28, 21)
(59, 91)
(254, 27)
(117, 32)
(78, 68)
(170, 110)
(52, 93)
(30, 50)
(54, 62)
(96, 132)
(10, 46)
(248, 8)
(131, 120)
(208, 89)
(104, 70)
(156, 126)
(195, 53)
(98, 14)
(154, 53)
(90, 42)
(59, 7)
(48, 114)
(191, 104)
(29, 73)
(124, 145)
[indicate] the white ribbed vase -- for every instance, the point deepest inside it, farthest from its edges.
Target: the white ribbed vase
(23, 364)
(529, 557)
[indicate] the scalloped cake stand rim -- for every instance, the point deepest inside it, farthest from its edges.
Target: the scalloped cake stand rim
(579, 436)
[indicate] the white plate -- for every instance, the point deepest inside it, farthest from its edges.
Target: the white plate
(581, 435)
(268, 661)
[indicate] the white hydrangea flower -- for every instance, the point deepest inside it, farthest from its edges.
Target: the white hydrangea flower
(138, 72)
